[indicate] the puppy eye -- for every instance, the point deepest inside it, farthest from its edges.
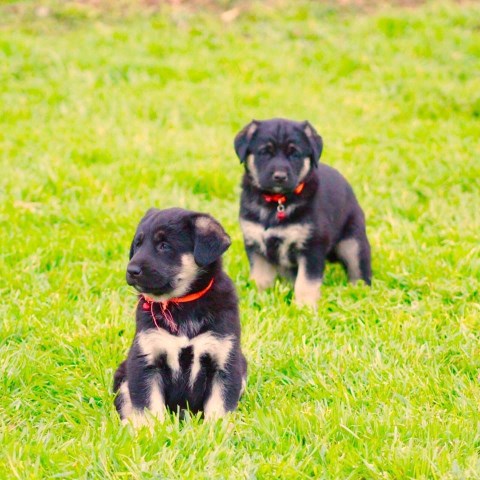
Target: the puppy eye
(163, 246)
(266, 150)
(292, 151)
(138, 241)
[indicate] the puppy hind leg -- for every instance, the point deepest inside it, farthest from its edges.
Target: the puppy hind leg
(365, 261)
(128, 413)
(355, 255)
(348, 251)
(243, 374)
(353, 250)
(120, 376)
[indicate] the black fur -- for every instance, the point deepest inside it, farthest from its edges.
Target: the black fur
(162, 238)
(278, 155)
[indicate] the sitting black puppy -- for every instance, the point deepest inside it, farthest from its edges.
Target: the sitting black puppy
(295, 213)
(186, 351)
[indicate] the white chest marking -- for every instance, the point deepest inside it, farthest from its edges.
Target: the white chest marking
(155, 342)
(290, 235)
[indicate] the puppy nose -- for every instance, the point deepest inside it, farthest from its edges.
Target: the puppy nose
(134, 270)
(279, 176)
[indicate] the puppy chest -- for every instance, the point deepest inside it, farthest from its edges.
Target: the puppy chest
(181, 355)
(279, 244)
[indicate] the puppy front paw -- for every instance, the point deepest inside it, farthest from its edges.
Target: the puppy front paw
(214, 415)
(262, 272)
(307, 293)
(138, 419)
(262, 282)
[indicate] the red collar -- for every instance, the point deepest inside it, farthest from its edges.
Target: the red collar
(148, 304)
(280, 198)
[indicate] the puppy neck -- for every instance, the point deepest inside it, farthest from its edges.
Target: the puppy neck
(205, 276)
(201, 280)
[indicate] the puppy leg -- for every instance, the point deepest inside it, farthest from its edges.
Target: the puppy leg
(123, 402)
(227, 387)
(348, 251)
(120, 376)
(353, 250)
(355, 254)
(309, 280)
(365, 260)
(157, 400)
(261, 271)
(143, 392)
(215, 404)
(243, 374)
(128, 413)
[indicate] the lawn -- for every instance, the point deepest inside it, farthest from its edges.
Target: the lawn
(105, 114)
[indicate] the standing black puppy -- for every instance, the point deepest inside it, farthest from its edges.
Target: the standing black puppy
(295, 213)
(186, 351)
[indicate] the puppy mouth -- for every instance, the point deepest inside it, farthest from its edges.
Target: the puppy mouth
(152, 290)
(279, 188)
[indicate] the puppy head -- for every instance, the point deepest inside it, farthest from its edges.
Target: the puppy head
(171, 248)
(278, 153)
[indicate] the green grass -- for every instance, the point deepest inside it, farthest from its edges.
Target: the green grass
(104, 116)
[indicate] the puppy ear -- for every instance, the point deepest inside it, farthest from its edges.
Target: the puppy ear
(210, 240)
(315, 140)
(149, 213)
(243, 139)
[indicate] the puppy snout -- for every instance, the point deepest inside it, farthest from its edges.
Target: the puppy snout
(134, 270)
(279, 176)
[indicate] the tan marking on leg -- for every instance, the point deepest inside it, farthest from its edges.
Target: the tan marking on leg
(215, 404)
(244, 386)
(157, 402)
(262, 272)
(307, 291)
(348, 250)
(126, 407)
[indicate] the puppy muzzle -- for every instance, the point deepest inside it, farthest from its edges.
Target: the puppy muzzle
(147, 283)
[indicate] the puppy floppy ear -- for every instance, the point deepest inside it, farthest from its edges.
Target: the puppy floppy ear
(243, 139)
(149, 213)
(210, 240)
(315, 140)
